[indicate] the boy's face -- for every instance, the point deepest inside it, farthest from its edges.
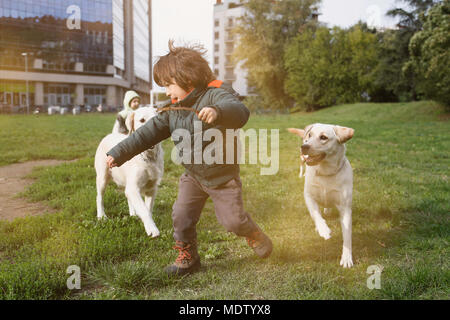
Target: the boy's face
(175, 92)
(134, 104)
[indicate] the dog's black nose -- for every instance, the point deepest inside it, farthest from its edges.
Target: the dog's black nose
(305, 148)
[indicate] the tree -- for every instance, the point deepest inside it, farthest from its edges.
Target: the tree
(329, 67)
(307, 60)
(263, 34)
(392, 82)
(430, 54)
(410, 20)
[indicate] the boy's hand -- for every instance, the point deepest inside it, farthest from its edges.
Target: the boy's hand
(110, 162)
(208, 115)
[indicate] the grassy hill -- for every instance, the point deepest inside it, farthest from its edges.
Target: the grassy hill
(400, 156)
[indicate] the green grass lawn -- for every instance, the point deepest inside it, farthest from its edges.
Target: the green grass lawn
(400, 156)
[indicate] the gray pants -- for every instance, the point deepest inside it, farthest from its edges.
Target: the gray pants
(228, 206)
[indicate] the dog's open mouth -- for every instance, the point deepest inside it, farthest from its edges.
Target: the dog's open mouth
(312, 160)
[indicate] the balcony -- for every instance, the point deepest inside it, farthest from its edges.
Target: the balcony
(229, 50)
(229, 26)
(229, 38)
(229, 64)
(230, 77)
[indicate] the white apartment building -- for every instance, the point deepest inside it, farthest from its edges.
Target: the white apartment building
(226, 14)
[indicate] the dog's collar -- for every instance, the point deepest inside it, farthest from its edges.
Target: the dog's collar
(331, 174)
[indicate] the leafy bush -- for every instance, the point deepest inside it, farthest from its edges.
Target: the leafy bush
(430, 55)
(329, 67)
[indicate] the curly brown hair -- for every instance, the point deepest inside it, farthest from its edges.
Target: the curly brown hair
(185, 66)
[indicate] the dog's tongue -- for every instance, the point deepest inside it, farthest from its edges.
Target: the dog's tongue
(309, 159)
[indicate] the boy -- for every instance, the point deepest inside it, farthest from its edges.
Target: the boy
(196, 95)
(131, 102)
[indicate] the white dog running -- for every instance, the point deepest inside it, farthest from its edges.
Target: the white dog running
(139, 176)
(328, 179)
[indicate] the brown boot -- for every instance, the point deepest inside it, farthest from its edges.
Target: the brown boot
(260, 243)
(188, 260)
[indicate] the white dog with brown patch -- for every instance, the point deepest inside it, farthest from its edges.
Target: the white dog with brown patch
(328, 179)
(139, 176)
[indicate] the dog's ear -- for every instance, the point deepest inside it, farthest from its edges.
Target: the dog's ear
(298, 132)
(130, 123)
(343, 133)
(308, 128)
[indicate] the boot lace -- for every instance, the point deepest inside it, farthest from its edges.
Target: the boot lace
(183, 253)
(253, 239)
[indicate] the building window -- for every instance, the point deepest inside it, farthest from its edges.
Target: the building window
(216, 23)
(216, 48)
(58, 94)
(94, 95)
(216, 35)
(216, 60)
(141, 39)
(36, 27)
(118, 34)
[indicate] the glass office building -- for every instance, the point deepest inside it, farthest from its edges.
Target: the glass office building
(73, 52)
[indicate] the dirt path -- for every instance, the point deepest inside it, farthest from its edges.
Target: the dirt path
(12, 182)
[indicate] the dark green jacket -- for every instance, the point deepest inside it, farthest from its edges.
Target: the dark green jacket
(232, 114)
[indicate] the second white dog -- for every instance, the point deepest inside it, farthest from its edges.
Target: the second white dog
(328, 179)
(140, 176)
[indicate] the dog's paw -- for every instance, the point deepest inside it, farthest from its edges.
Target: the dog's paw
(103, 217)
(154, 233)
(346, 260)
(323, 230)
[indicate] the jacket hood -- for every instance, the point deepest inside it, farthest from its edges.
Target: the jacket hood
(129, 95)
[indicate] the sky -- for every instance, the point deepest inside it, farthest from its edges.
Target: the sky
(185, 21)
(344, 13)
(191, 21)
